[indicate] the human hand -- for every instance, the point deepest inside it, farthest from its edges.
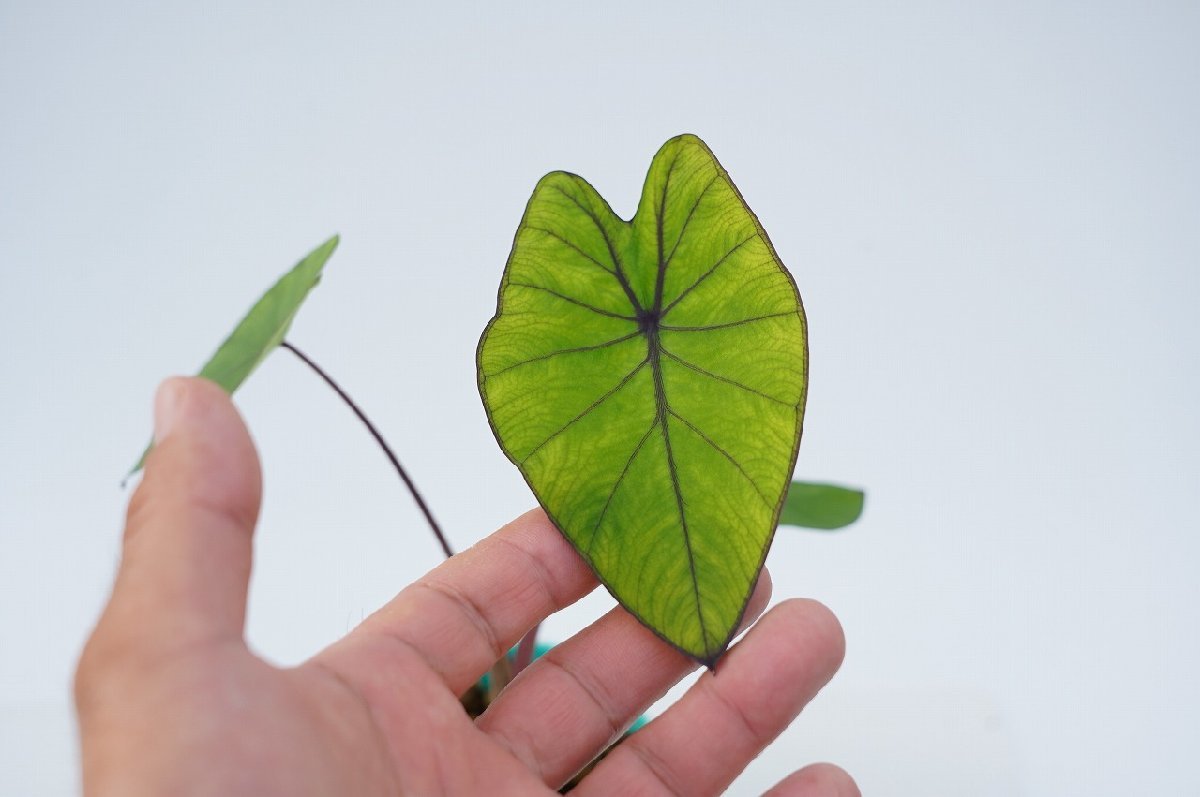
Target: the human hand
(171, 700)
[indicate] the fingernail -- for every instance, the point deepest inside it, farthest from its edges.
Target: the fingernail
(167, 402)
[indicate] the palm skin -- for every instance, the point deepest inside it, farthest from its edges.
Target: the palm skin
(172, 701)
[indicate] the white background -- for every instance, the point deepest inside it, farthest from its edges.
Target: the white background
(993, 214)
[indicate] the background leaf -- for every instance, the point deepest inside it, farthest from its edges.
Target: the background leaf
(648, 379)
(821, 506)
(263, 328)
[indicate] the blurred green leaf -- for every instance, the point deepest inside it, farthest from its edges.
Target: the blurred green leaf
(821, 506)
(262, 329)
(648, 377)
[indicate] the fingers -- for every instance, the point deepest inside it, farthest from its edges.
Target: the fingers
(463, 616)
(701, 743)
(817, 780)
(578, 698)
(187, 547)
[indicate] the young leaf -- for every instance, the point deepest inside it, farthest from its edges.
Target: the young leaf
(262, 329)
(648, 379)
(821, 506)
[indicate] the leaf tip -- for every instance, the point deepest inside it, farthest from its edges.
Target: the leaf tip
(330, 246)
(137, 466)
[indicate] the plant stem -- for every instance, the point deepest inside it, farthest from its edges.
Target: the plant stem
(408, 482)
(499, 677)
(525, 650)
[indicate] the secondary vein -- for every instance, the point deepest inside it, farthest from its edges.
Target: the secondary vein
(624, 381)
(708, 273)
(727, 324)
(617, 484)
(574, 350)
(688, 219)
(733, 460)
(571, 244)
(619, 272)
(725, 379)
(572, 300)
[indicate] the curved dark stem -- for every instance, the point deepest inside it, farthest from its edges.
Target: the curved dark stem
(408, 482)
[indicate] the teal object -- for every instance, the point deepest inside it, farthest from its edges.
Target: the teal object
(540, 651)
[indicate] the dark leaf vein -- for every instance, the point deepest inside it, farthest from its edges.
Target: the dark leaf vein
(617, 484)
(687, 537)
(733, 460)
(658, 231)
(727, 324)
(709, 272)
(574, 246)
(619, 272)
(624, 381)
(725, 379)
(688, 219)
(574, 350)
(572, 300)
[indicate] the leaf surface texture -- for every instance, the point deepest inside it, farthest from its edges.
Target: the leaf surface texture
(648, 379)
(263, 328)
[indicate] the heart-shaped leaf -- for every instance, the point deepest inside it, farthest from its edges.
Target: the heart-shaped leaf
(821, 506)
(648, 379)
(262, 329)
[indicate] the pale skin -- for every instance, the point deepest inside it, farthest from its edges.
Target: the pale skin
(171, 700)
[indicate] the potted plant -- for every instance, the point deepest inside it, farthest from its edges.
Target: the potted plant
(648, 379)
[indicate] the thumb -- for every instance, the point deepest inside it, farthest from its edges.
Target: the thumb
(185, 565)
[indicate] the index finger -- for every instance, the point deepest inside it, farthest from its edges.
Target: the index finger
(465, 614)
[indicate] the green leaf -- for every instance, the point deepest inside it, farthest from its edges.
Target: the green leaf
(262, 329)
(648, 379)
(821, 506)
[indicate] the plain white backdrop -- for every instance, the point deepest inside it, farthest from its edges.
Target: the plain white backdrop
(993, 214)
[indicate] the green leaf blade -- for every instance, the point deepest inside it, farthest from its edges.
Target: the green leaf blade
(264, 326)
(821, 506)
(648, 379)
